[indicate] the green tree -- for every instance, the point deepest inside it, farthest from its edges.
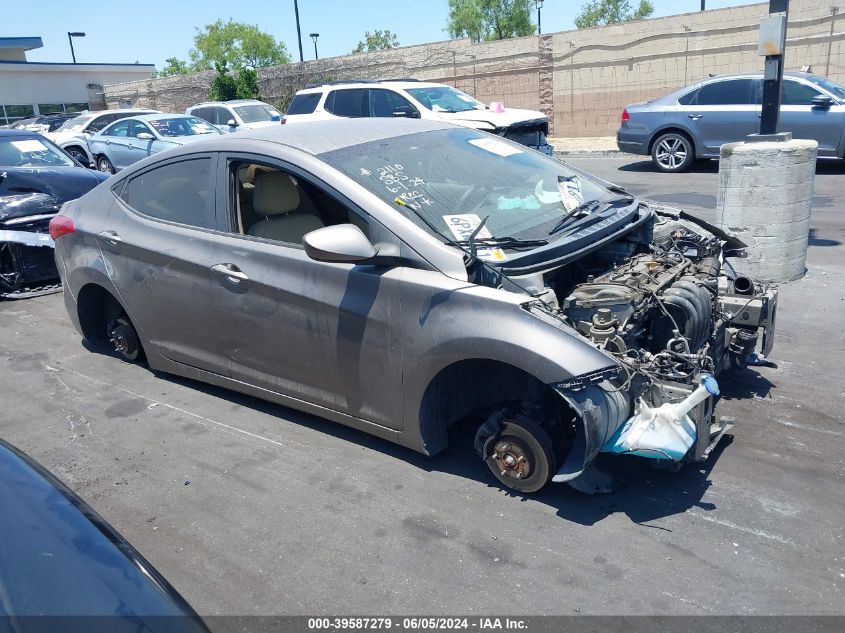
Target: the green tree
(223, 86)
(247, 84)
(376, 41)
(490, 19)
(236, 45)
(174, 67)
(600, 12)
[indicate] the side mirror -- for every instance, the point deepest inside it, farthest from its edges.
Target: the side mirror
(340, 244)
(822, 101)
(145, 136)
(232, 123)
(406, 111)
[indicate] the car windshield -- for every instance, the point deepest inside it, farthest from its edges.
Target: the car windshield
(837, 90)
(182, 126)
(445, 99)
(31, 152)
(257, 112)
(75, 124)
(454, 178)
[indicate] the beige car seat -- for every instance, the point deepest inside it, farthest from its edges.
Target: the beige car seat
(277, 197)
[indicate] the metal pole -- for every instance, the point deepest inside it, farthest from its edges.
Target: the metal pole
(539, 23)
(70, 40)
(315, 50)
(703, 2)
(773, 80)
(298, 32)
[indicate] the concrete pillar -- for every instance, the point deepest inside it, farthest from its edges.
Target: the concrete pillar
(765, 191)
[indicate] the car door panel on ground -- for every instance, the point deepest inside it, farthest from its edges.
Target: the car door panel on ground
(157, 242)
(805, 120)
(315, 331)
(720, 112)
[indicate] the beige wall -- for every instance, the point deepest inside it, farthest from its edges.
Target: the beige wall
(582, 79)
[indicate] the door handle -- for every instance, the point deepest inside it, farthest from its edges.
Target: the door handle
(231, 272)
(111, 237)
(695, 117)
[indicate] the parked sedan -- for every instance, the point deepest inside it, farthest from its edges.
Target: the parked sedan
(36, 178)
(694, 122)
(400, 275)
(129, 140)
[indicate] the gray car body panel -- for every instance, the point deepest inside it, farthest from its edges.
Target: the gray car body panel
(358, 344)
(710, 126)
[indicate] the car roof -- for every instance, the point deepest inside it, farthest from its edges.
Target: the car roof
(758, 73)
(402, 84)
(160, 115)
(230, 102)
(127, 111)
(9, 133)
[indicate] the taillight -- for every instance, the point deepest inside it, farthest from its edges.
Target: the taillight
(625, 116)
(60, 225)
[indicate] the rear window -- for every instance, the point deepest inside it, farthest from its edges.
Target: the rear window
(347, 102)
(731, 92)
(304, 104)
(176, 192)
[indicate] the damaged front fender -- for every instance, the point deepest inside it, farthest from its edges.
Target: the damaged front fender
(601, 409)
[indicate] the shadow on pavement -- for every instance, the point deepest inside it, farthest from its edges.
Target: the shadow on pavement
(818, 241)
(711, 166)
(641, 492)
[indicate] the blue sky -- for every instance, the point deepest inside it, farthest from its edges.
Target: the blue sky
(153, 30)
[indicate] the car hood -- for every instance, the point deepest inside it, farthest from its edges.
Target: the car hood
(259, 124)
(32, 190)
(498, 119)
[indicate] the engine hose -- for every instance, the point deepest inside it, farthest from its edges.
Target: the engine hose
(694, 306)
(705, 305)
(674, 299)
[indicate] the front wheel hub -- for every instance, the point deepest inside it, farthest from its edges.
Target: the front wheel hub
(512, 459)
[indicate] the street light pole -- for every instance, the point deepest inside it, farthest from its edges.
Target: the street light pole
(70, 36)
(298, 32)
(773, 72)
(703, 2)
(539, 4)
(314, 37)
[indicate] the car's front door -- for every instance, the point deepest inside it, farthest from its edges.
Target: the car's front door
(805, 120)
(157, 242)
(721, 112)
(141, 147)
(318, 332)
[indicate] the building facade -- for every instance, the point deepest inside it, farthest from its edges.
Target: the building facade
(30, 88)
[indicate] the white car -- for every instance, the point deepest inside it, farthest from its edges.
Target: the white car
(419, 100)
(74, 134)
(238, 114)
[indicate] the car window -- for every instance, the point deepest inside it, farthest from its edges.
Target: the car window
(100, 122)
(304, 104)
(797, 93)
(31, 152)
(176, 192)
(118, 129)
(257, 112)
(383, 103)
(270, 203)
(445, 99)
(222, 116)
(347, 102)
(730, 92)
(136, 127)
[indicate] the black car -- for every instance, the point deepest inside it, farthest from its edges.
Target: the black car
(36, 178)
(63, 568)
(44, 122)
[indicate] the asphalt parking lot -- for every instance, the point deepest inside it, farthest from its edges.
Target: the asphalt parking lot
(251, 508)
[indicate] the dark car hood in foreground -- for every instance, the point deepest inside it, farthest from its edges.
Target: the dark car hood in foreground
(60, 558)
(34, 190)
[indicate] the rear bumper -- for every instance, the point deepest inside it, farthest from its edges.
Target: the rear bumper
(26, 262)
(631, 143)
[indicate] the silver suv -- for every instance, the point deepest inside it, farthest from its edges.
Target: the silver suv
(694, 122)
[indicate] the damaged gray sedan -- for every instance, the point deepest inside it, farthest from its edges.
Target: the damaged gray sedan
(399, 276)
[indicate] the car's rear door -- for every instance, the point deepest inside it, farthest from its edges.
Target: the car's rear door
(721, 112)
(114, 144)
(141, 148)
(157, 241)
(322, 333)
